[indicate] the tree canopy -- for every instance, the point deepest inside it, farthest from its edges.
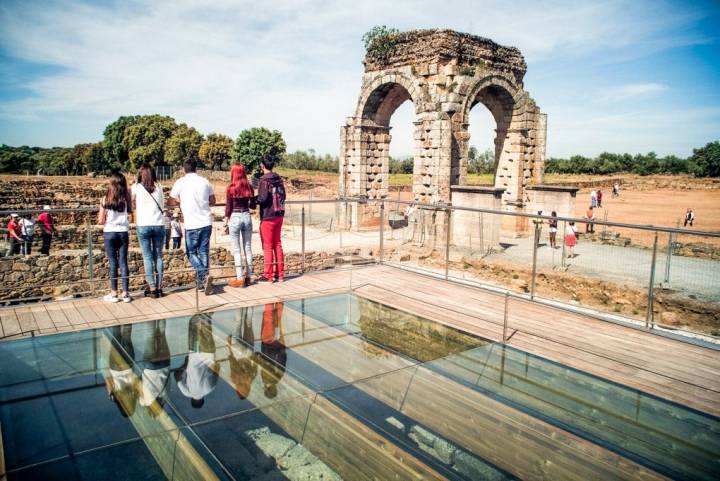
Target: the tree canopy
(253, 145)
(215, 151)
(184, 144)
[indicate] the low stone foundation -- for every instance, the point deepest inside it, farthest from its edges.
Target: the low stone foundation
(59, 275)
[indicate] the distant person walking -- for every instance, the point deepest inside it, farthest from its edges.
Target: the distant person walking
(599, 198)
(14, 235)
(27, 227)
(593, 198)
(195, 196)
(689, 217)
(590, 216)
(176, 231)
(240, 199)
(147, 196)
(113, 216)
(616, 190)
(570, 238)
(271, 199)
(553, 224)
(47, 229)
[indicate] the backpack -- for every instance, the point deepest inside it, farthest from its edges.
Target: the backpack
(276, 189)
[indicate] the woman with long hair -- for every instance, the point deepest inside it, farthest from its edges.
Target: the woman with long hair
(113, 216)
(553, 223)
(240, 199)
(147, 196)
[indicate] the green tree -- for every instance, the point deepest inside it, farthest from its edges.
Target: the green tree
(54, 161)
(258, 143)
(183, 145)
(116, 150)
(97, 159)
(705, 161)
(145, 140)
(215, 151)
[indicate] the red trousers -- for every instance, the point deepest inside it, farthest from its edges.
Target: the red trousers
(270, 230)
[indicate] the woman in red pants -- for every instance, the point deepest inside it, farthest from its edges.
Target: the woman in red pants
(271, 199)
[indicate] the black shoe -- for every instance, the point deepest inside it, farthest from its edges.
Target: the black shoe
(265, 279)
(148, 292)
(159, 293)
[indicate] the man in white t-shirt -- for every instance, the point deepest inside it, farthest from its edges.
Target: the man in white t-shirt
(195, 196)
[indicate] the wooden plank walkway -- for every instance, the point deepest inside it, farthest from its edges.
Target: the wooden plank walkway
(670, 369)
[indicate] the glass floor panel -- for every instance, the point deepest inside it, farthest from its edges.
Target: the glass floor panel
(334, 387)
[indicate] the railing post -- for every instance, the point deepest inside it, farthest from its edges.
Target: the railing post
(91, 260)
(302, 238)
(669, 257)
(505, 317)
(562, 234)
(536, 240)
(447, 242)
(649, 321)
(382, 231)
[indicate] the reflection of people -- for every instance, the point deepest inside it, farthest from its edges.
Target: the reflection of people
(243, 367)
(156, 367)
(198, 376)
(274, 356)
(120, 380)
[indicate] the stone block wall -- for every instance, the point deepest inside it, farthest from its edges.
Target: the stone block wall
(59, 275)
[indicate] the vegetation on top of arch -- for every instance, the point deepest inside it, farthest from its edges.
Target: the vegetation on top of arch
(380, 42)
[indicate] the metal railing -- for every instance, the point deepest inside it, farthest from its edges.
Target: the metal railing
(650, 267)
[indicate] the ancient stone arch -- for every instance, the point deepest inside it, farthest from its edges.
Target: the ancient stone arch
(444, 73)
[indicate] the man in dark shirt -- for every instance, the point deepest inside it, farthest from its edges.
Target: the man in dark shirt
(271, 199)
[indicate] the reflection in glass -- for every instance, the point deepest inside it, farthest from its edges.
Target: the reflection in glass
(120, 380)
(155, 365)
(241, 356)
(198, 375)
(274, 358)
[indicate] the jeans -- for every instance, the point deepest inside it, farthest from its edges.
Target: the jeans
(14, 247)
(241, 231)
(151, 240)
(176, 242)
(116, 249)
(270, 230)
(46, 239)
(197, 247)
(27, 244)
(167, 239)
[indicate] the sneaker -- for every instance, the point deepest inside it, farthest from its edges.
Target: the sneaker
(112, 298)
(249, 281)
(126, 298)
(148, 292)
(237, 283)
(160, 293)
(280, 279)
(208, 285)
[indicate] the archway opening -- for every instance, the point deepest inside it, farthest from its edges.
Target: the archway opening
(488, 127)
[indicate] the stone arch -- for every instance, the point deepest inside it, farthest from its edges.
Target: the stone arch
(507, 105)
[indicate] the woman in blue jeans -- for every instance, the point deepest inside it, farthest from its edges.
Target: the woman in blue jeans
(239, 200)
(113, 216)
(147, 196)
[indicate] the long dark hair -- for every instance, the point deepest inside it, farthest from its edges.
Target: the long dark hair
(117, 197)
(146, 176)
(239, 185)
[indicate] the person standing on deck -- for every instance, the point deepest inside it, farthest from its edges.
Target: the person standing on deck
(195, 196)
(240, 200)
(148, 201)
(113, 216)
(271, 199)
(47, 229)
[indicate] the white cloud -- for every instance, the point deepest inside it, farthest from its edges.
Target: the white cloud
(295, 66)
(630, 91)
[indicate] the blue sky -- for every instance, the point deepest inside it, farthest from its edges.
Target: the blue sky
(619, 76)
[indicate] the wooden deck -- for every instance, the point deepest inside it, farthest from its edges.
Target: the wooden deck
(682, 372)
